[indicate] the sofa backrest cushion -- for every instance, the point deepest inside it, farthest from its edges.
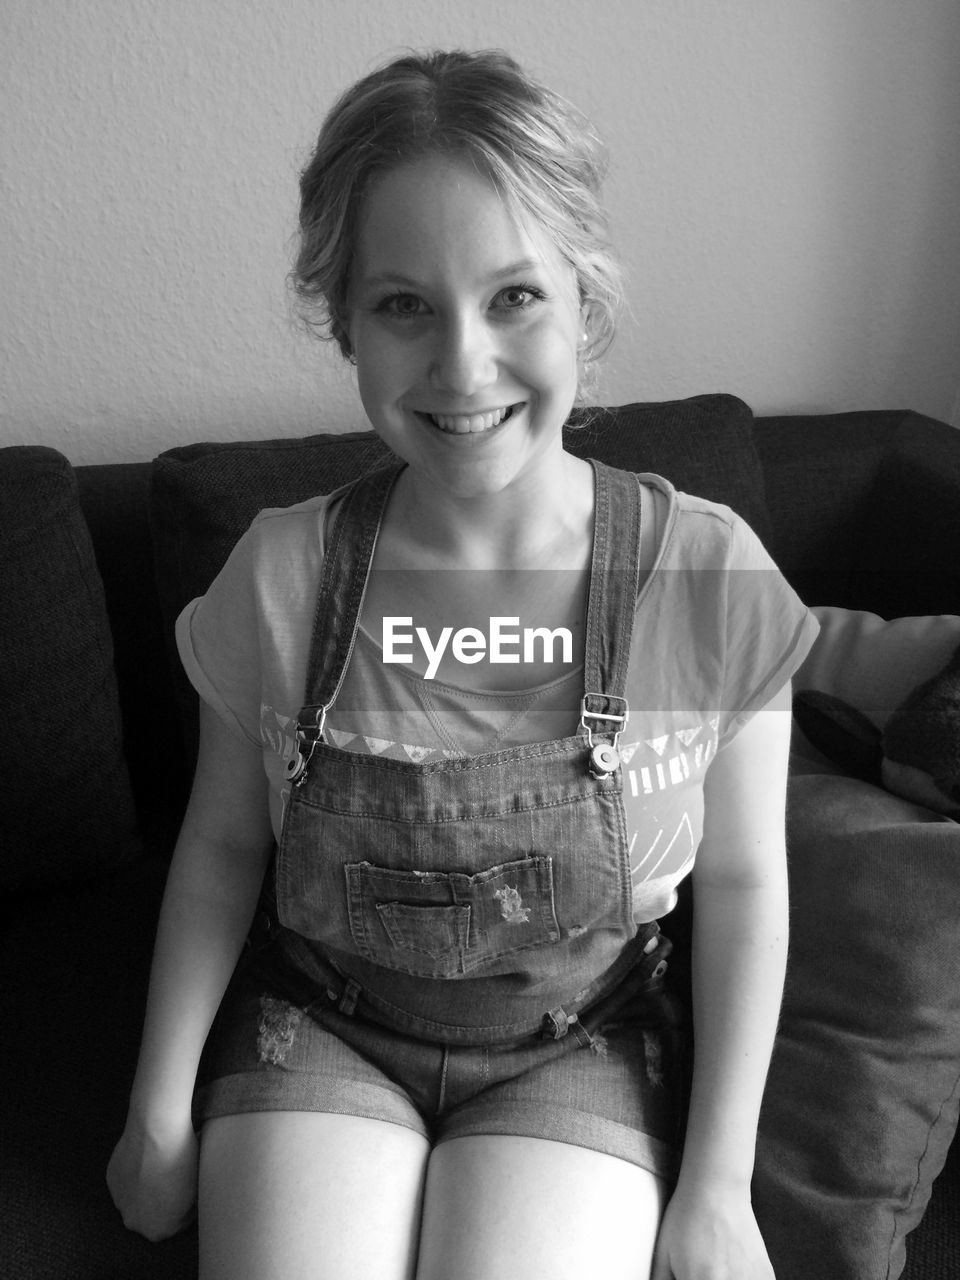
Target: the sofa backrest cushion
(205, 495)
(65, 799)
(911, 527)
(703, 445)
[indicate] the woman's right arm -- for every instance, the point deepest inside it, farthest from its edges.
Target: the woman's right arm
(209, 902)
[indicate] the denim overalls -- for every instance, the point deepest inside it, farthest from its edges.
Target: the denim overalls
(470, 901)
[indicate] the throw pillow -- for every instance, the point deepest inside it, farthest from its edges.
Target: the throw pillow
(872, 664)
(862, 1098)
(64, 789)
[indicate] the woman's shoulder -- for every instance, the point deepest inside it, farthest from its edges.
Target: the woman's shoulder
(276, 521)
(296, 530)
(690, 506)
(702, 531)
(279, 554)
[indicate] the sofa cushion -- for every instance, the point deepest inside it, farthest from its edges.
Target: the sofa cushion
(703, 445)
(205, 495)
(64, 789)
(873, 663)
(911, 527)
(73, 980)
(862, 1098)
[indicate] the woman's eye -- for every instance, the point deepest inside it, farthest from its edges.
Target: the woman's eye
(403, 305)
(517, 297)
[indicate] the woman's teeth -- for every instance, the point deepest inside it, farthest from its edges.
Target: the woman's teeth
(462, 424)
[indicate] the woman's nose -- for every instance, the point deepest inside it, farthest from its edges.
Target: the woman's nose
(465, 357)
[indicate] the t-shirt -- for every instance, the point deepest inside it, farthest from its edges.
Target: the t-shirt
(717, 632)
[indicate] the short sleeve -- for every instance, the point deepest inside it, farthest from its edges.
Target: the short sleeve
(217, 638)
(769, 630)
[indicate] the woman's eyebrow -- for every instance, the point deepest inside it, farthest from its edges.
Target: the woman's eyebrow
(390, 277)
(408, 282)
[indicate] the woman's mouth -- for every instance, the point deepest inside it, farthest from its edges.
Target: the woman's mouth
(463, 424)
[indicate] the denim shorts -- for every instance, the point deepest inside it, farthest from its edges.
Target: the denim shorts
(613, 1083)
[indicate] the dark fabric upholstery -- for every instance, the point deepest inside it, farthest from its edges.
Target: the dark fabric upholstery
(933, 1248)
(204, 497)
(862, 1099)
(64, 788)
(821, 471)
(911, 527)
(703, 445)
(115, 501)
(73, 972)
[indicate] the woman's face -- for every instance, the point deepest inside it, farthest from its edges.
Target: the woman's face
(465, 326)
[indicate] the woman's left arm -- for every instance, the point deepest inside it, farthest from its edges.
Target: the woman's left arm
(739, 959)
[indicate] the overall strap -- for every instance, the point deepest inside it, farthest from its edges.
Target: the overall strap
(343, 580)
(614, 584)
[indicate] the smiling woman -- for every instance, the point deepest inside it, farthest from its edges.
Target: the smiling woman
(450, 1047)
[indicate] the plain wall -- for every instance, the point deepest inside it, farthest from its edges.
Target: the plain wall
(784, 189)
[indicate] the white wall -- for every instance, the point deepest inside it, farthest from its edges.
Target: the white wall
(785, 191)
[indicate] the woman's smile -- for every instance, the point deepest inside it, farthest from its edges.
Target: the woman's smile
(476, 422)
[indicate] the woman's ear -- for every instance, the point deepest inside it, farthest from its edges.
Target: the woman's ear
(586, 327)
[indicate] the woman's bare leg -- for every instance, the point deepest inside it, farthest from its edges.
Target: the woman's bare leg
(308, 1196)
(508, 1208)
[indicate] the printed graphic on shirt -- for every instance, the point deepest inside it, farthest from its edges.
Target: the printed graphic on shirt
(676, 757)
(663, 802)
(365, 744)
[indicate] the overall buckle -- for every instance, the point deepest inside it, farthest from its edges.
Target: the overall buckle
(601, 707)
(310, 724)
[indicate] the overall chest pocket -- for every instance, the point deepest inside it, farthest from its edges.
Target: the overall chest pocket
(437, 924)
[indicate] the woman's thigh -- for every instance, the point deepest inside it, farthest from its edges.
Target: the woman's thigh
(508, 1208)
(309, 1196)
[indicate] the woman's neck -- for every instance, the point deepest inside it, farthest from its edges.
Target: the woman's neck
(527, 526)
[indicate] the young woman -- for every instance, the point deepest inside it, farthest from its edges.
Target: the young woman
(465, 725)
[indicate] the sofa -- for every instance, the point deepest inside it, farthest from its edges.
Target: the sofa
(858, 1174)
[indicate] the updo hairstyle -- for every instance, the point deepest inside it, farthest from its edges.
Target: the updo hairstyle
(537, 150)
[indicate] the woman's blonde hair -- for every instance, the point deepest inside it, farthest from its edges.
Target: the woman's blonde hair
(538, 151)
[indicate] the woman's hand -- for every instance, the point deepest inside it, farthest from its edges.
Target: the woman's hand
(153, 1180)
(710, 1236)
